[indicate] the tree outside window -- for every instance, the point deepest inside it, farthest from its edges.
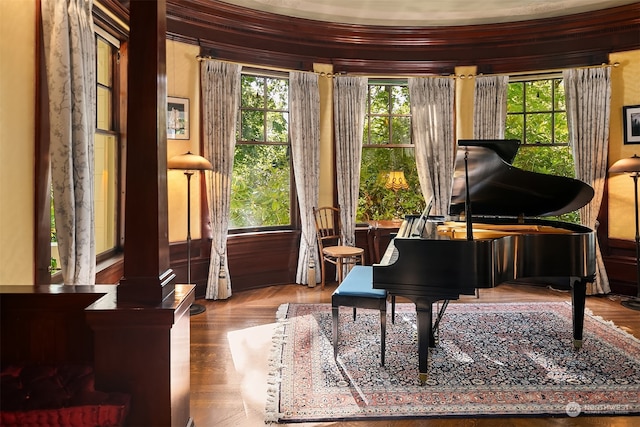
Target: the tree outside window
(536, 116)
(387, 147)
(261, 196)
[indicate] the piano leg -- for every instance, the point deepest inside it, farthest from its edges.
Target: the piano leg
(578, 296)
(335, 311)
(425, 336)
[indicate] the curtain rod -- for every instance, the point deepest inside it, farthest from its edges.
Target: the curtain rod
(265, 67)
(525, 73)
(397, 76)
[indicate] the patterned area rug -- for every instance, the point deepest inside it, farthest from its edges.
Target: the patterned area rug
(492, 360)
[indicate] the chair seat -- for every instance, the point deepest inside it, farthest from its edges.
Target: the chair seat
(359, 283)
(342, 251)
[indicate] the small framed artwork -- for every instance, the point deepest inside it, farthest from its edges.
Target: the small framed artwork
(631, 118)
(177, 118)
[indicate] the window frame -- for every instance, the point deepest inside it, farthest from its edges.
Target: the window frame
(115, 132)
(570, 216)
(368, 115)
(377, 201)
(529, 78)
(294, 217)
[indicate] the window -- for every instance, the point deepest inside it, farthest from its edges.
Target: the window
(106, 155)
(105, 148)
(387, 147)
(261, 196)
(537, 117)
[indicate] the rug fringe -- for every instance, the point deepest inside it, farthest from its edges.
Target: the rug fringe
(612, 325)
(274, 379)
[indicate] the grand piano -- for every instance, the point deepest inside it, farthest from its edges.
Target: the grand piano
(493, 234)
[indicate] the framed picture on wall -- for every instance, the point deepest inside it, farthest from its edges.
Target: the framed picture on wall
(177, 118)
(631, 118)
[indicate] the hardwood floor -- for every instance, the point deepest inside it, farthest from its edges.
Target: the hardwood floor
(228, 384)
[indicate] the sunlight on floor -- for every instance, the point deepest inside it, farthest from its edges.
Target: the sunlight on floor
(554, 371)
(252, 370)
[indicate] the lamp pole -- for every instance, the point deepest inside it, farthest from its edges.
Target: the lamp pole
(190, 163)
(635, 304)
(188, 174)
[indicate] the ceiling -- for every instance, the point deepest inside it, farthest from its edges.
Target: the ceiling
(426, 12)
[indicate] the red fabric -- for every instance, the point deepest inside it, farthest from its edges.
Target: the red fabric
(46, 395)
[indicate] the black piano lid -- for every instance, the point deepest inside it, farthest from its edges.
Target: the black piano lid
(497, 188)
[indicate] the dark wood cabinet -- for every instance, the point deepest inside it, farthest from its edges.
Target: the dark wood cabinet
(379, 236)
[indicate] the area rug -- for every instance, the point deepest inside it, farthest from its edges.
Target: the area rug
(509, 359)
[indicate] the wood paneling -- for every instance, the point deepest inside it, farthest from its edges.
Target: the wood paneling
(47, 323)
(147, 277)
(234, 33)
(255, 259)
(144, 351)
(259, 259)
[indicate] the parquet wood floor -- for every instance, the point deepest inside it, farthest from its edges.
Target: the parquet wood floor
(227, 383)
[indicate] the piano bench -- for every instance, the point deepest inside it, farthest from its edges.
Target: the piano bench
(356, 290)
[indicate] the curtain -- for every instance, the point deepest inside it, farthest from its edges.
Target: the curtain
(588, 99)
(490, 107)
(70, 61)
(432, 101)
(349, 103)
(304, 110)
(220, 83)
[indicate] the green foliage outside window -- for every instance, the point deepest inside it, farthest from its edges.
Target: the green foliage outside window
(260, 186)
(260, 195)
(536, 116)
(261, 179)
(378, 202)
(387, 146)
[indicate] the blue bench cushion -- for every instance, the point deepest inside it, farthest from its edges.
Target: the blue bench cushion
(359, 283)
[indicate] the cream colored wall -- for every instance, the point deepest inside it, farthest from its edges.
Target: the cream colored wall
(17, 135)
(465, 93)
(625, 90)
(183, 81)
(325, 86)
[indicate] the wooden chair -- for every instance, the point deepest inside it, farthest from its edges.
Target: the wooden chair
(332, 249)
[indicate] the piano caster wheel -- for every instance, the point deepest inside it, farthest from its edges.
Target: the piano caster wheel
(423, 378)
(577, 344)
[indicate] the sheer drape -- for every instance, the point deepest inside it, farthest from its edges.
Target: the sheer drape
(220, 83)
(70, 60)
(588, 98)
(490, 107)
(432, 101)
(349, 105)
(304, 127)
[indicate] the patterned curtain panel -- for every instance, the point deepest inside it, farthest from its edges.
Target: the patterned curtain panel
(432, 101)
(304, 107)
(220, 83)
(490, 107)
(349, 104)
(588, 99)
(70, 60)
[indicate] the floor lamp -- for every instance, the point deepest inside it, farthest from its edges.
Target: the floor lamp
(631, 166)
(190, 163)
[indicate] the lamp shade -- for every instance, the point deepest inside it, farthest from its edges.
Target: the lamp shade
(189, 161)
(628, 165)
(396, 181)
